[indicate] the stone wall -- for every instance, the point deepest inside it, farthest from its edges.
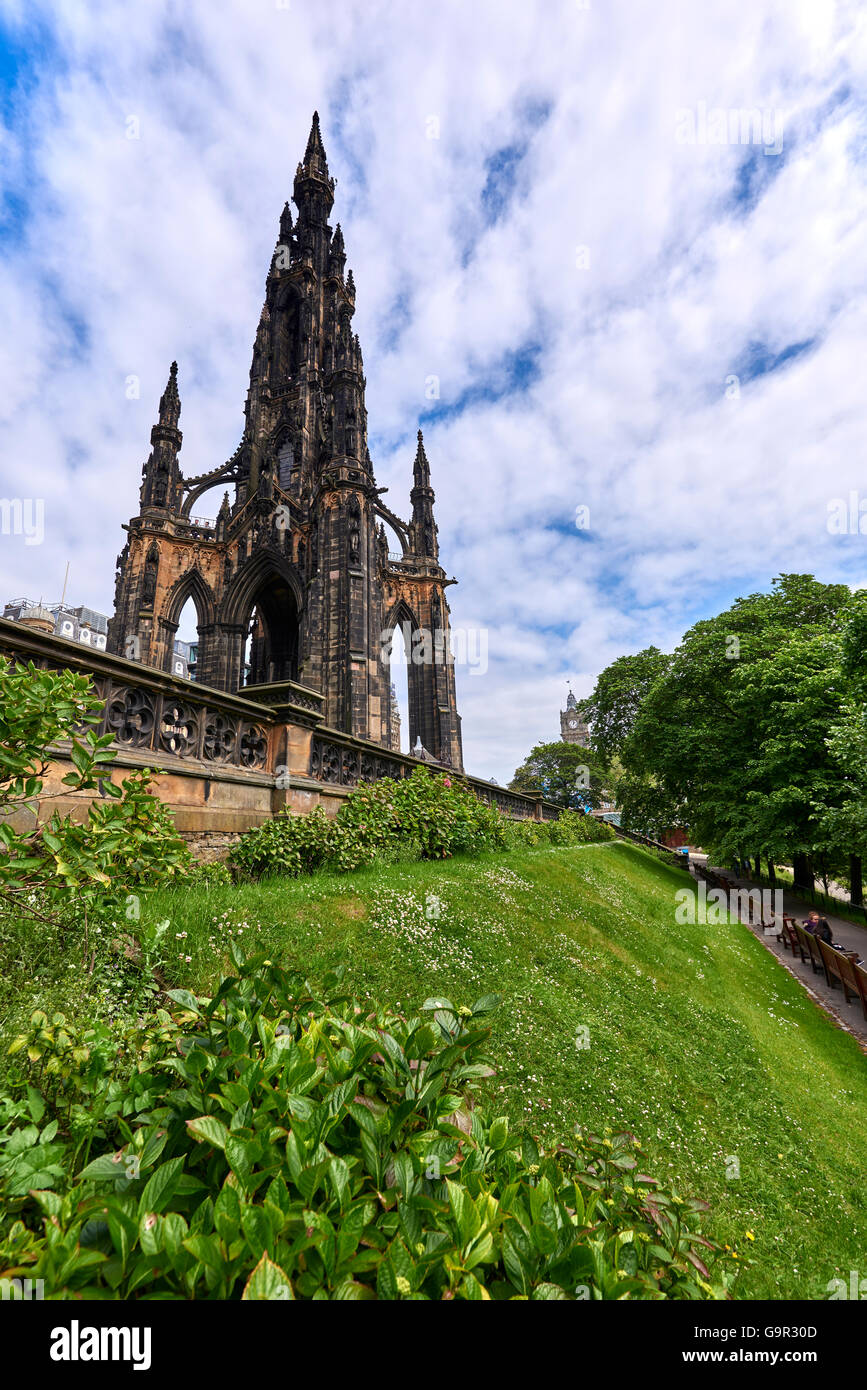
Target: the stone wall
(223, 763)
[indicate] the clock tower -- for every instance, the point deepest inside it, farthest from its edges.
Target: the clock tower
(573, 729)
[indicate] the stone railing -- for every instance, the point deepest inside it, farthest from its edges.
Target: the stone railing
(338, 760)
(513, 804)
(147, 710)
(141, 718)
(272, 735)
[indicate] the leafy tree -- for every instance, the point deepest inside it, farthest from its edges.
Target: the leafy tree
(732, 735)
(567, 773)
(620, 690)
(67, 869)
(843, 817)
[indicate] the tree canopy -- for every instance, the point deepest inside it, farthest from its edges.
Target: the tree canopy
(567, 773)
(753, 731)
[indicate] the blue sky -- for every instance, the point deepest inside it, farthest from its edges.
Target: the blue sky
(668, 331)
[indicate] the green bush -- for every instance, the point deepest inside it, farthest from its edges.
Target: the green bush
(274, 1144)
(527, 833)
(576, 828)
(73, 871)
(286, 844)
(424, 816)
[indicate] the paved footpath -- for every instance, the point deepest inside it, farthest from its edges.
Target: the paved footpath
(847, 934)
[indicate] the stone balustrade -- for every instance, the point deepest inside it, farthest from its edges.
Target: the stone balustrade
(224, 763)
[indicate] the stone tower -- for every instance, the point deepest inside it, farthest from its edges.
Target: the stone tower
(294, 580)
(573, 728)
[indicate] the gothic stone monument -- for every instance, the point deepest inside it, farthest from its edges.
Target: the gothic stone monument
(298, 560)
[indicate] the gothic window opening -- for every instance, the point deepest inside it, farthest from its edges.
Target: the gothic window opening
(185, 653)
(271, 635)
(287, 333)
(286, 465)
(396, 703)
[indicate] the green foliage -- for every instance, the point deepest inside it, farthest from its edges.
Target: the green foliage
(575, 828)
(568, 774)
(73, 868)
(614, 705)
(571, 828)
(286, 844)
(734, 733)
(278, 1144)
(424, 816)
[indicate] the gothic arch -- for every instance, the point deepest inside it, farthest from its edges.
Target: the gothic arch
(191, 585)
(401, 613)
(241, 595)
(286, 334)
(267, 587)
(399, 527)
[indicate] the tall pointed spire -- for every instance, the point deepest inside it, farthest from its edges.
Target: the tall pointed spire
(162, 482)
(421, 467)
(314, 155)
(423, 529)
(314, 191)
(170, 401)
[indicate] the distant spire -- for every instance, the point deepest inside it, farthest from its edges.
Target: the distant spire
(313, 192)
(161, 478)
(170, 401)
(286, 225)
(421, 467)
(314, 156)
(423, 528)
(337, 251)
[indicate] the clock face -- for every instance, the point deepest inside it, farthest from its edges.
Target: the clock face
(573, 723)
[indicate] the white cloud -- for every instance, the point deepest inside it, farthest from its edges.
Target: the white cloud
(138, 251)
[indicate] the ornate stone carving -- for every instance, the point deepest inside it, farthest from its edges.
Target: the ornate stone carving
(130, 717)
(349, 767)
(179, 729)
(253, 747)
(221, 736)
(324, 761)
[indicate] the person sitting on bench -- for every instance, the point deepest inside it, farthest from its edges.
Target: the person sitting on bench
(817, 926)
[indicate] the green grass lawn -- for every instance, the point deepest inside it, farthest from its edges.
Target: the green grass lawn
(694, 1036)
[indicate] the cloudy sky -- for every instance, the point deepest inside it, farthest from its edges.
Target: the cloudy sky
(628, 241)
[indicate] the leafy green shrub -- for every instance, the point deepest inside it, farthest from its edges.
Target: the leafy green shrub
(279, 1145)
(71, 869)
(441, 816)
(66, 1073)
(522, 834)
(425, 816)
(287, 844)
(576, 828)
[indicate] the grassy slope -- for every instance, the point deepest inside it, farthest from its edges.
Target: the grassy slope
(699, 1040)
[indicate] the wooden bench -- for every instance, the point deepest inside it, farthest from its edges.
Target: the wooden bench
(839, 967)
(810, 943)
(789, 937)
(860, 973)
